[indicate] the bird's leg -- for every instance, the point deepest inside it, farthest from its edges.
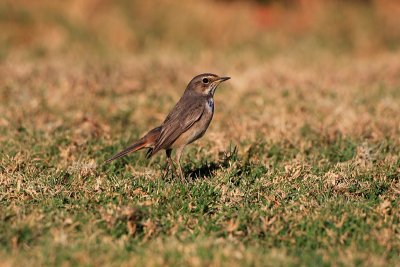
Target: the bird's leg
(178, 158)
(181, 175)
(170, 164)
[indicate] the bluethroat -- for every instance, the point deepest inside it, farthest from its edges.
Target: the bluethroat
(187, 122)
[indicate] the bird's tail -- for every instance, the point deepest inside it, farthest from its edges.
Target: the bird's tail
(135, 147)
(146, 142)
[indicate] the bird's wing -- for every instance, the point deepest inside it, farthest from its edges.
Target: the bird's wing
(180, 119)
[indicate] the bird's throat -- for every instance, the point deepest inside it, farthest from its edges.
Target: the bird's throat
(210, 104)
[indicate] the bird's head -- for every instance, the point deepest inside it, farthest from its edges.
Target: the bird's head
(205, 84)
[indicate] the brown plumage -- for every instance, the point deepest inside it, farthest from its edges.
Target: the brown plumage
(146, 141)
(187, 122)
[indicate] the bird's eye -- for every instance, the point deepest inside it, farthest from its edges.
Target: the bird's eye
(205, 80)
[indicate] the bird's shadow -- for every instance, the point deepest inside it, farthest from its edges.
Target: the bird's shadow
(206, 170)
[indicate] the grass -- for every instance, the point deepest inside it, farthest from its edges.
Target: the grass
(300, 166)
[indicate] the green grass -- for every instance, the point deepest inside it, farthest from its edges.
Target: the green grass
(240, 212)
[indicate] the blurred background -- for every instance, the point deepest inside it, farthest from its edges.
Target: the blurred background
(327, 65)
(42, 29)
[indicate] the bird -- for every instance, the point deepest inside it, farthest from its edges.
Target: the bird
(187, 122)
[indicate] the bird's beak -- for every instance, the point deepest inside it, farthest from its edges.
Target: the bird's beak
(222, 79)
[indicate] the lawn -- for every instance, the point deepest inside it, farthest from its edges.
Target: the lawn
(300, 165)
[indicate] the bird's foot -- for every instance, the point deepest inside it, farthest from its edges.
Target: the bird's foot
(170, 166)
(181, 174)
(165, 173)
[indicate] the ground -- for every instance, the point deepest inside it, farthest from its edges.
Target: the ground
(300, 165)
